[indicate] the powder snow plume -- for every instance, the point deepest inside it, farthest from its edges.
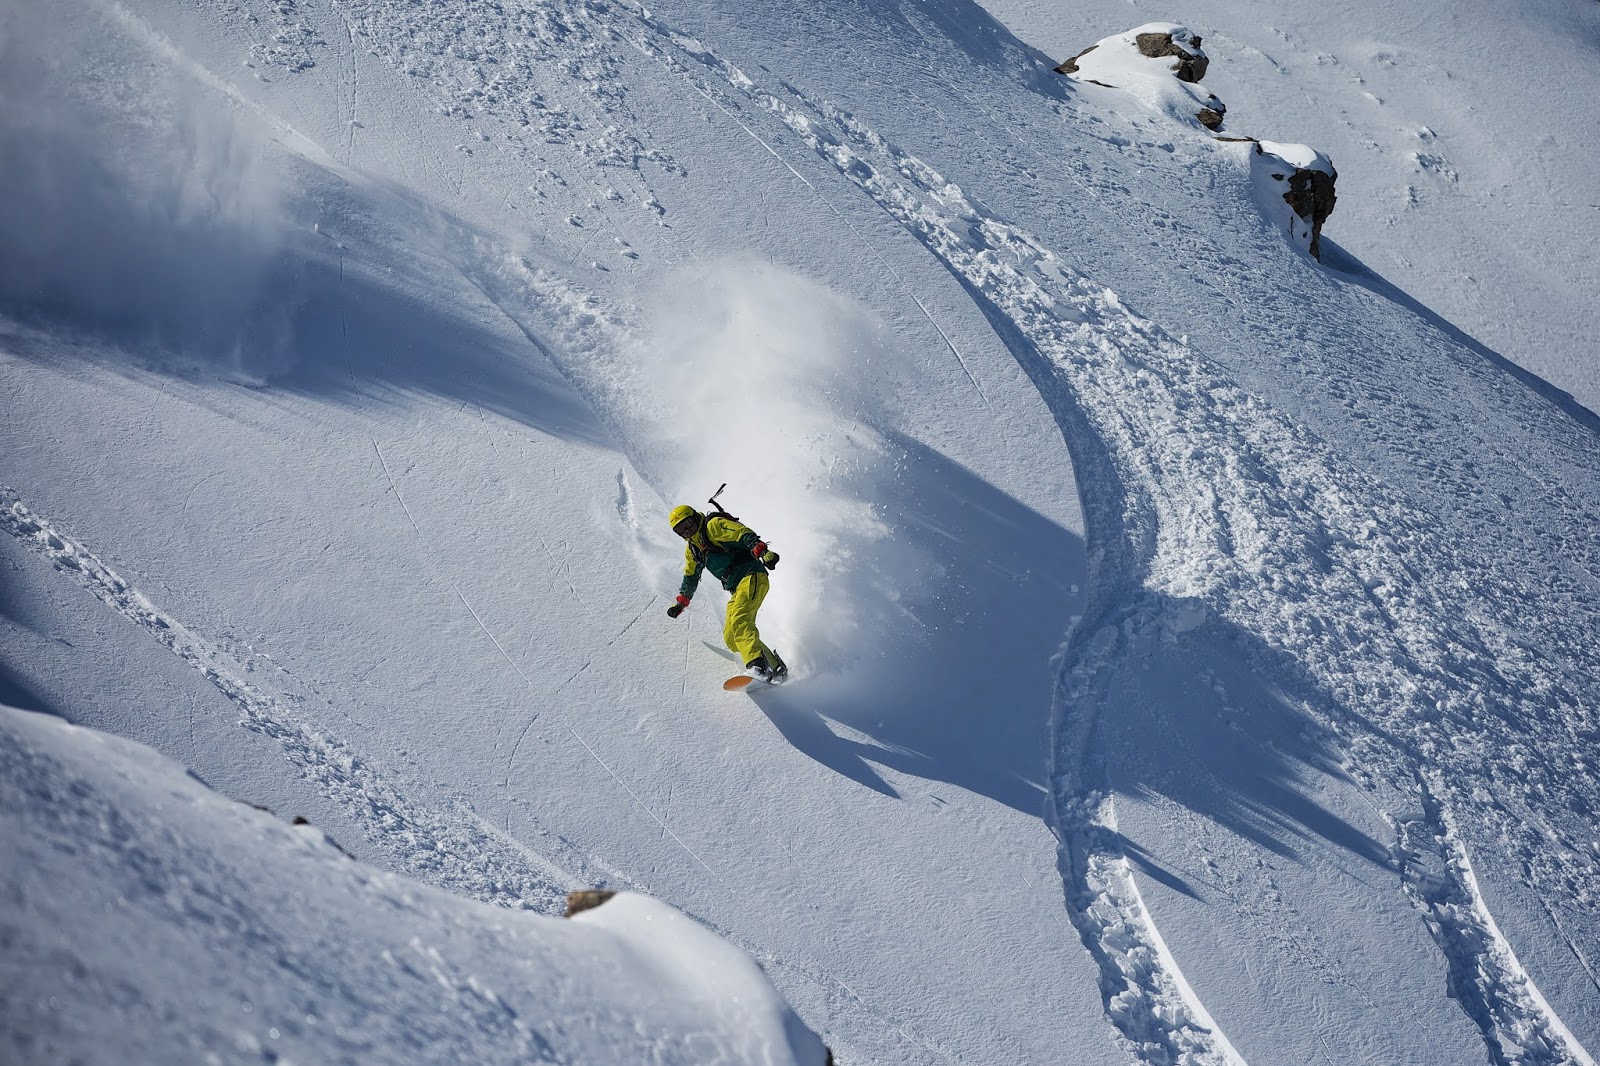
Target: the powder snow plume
(759, 378)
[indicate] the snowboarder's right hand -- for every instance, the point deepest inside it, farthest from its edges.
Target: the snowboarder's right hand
(676, 609)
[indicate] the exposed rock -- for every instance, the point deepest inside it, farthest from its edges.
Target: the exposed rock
(1070, 66)
(1311, 194)
(1158, 63)
(1304, 179)
(302, 820)
(1192, 63)
(585, 899)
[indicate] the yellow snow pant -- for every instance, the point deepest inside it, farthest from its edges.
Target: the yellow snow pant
(740, 633)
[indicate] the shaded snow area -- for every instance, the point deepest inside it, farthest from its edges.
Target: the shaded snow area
(150, 920)
(1193, 643)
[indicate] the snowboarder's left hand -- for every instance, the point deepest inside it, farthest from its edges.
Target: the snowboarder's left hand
(677, 608)
(770, 560)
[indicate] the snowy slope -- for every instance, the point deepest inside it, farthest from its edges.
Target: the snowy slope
(1464, 133)
(150, 920)
(486, 290)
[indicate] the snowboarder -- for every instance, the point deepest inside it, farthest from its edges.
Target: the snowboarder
(740, 560)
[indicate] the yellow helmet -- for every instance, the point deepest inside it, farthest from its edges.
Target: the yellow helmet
(679, 514)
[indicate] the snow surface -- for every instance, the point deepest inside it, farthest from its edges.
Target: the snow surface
(354, 353)
(1299, 156)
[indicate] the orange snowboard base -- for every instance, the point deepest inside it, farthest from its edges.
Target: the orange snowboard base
(745, 681)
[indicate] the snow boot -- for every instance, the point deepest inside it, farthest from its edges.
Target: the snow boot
(770, 668)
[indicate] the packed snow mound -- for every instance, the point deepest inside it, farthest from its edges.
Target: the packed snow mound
(158, 922)
(1159, 64)
(1298, 156)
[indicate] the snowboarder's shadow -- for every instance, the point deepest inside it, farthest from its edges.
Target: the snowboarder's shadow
(809, 734)
(963, 695)
(952, 679)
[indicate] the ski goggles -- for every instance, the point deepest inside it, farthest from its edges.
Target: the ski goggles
(687, 527)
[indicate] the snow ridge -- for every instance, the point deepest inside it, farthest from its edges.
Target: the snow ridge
(452, 849)
(1154, 1008)
(1519, 1027)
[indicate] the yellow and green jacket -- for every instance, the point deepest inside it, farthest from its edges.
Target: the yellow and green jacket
(723, 547)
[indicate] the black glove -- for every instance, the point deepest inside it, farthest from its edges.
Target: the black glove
(770, 560)
(676, 609)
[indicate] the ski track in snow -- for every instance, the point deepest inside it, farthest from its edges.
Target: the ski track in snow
(453, 849)
(1485, 975)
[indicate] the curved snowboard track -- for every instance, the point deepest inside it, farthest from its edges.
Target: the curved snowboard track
(1198, 492)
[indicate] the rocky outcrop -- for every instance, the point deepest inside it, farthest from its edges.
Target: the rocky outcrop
(1211, 117)
(1070, 66)
(586, 899)
(1311, 195)
(1192, 63)
(1160, 62)
(1304, 180)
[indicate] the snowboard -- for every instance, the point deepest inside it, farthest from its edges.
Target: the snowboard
(741, 682)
